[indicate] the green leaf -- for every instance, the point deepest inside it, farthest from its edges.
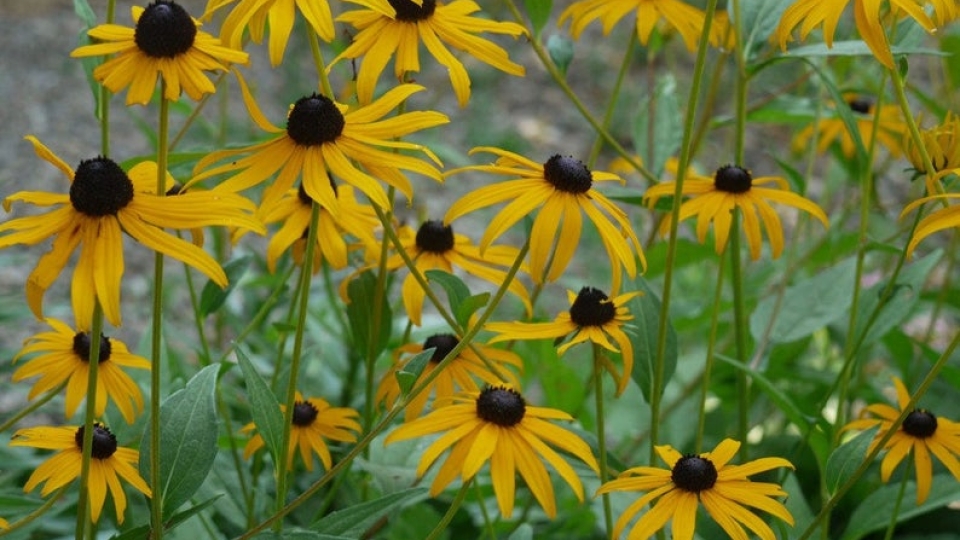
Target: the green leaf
(143, 532)
(264, 407)
(760, 17)
(362, 292)
(213, 297)
(523, 532)
(85, 13)
(355, 520)
(904, 298)
(561, 52)
(188, 429)
(646, 318)
(657, 138)
(846, 459)
(806, 306)
(539, 12)
(854, 48)
(470, 306)
(412, 369)
(950, 44)
(874, 512)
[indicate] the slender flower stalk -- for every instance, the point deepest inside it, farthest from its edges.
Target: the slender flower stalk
(601, 432)
(86, 448)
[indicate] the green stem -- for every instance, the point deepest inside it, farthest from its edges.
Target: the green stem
(451, 511)
(614, 96)
(103, 101)
(708, 361)
(487, 522)
(34, 405)
(96, 330)
(601, 433)
(899, 89)
(896, 506)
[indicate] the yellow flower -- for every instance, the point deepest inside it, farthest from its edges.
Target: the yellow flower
(104, 202)
(943, 218)
(396, 27)
(313, 421)
(830, 129)
(809, 14)
(66, 358)
(109, 464)
(497, 425)
(164, 41)
(686, 19)
(476, 361)
(4, 524)
(709, 478)
(323, 138)
(733, 187)
(942, 143)
(920, 431)
(562, 189)
(593, 317)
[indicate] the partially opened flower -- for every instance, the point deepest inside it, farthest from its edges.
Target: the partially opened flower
(593, 317)
(942, 143)
(165, 42)
(109, 465)
(687, 20)
(389, 28)
(713, 200)
(498, 426)
(725, 491)
(830, 129)
(921, 432)
(314, 420)
(103, 202)
(65, 358)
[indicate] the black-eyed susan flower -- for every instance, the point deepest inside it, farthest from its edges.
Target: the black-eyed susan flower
(831, 128)
(166, 42)
(684, 18)
(724, 489)
(498, 426)
(942, 143)
(314, 420)
(809, 14)
(109, 464)
(389, 28)
(593, 317)
(104, 202)
(921, 432)
(66, 358)
(434, 246)
(477, 362)
(324, 138)
(713, 200)
(943, 218)
(562, 189)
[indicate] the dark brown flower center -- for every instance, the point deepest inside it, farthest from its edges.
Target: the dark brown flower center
(568, 174)
(100, 188)
(435, 237)
(104, 442)
(502, 406)
(733, 179)
(165, 30)
(920, 423)
(592, 308)
(694, 474)
(407, 11)
(81, 347)
(860, 105)
(315, 120)
(444, 344)
(304, 413)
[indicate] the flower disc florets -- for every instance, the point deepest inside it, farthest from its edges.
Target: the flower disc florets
(165, 30)
(860, 105)
(592, 308)
(315, 120)
(100, 188)
(694, 474)
(81, 347)
(444, 343)
(501, 406)
(304, 413)
(920, 423)
(104, 442)
(435, 237)
(568, 174)
(733, 179)
(407, 11)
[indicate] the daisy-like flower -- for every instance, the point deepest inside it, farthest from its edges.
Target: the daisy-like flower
(323, 138)
(562, 189)
(166, 42)
(110, 463)
(921, 432)
(686, 19)
(942, 143)
(593, 317)
(498, 426)
(809, 14)
(434, 246)
(389, 28)
(104, 202)
(724, 490)
(831, 129)
(66, 358)
(313, 421)
(460, 374)
(733, 187)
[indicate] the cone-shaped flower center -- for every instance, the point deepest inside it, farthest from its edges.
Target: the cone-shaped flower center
(435, 237)
(165, 30)
(444, 344)
(104, 442)
(733, 179)
(81, 347)
(304, 413)
(407, 11)
(568, 174)
(315, 120)
(100, 188)
(920, 423)
(694, 474)
(860, 105)
(592, 308)
(502, 406)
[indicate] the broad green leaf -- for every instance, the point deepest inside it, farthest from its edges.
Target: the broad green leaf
(646, 321)
(457, 290)
(354, 521)
(212, 297)
(846, 459)
(188, 430)
(539, 13)
(469, 307)
(904, 298)
(656, 136)
(798, 506)
(561, 52)
(362, 292)
(760, 19)
(412, 369)
(806, 306)
(85, 13)
(874, 512)
(143, 532)
(264, 407)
